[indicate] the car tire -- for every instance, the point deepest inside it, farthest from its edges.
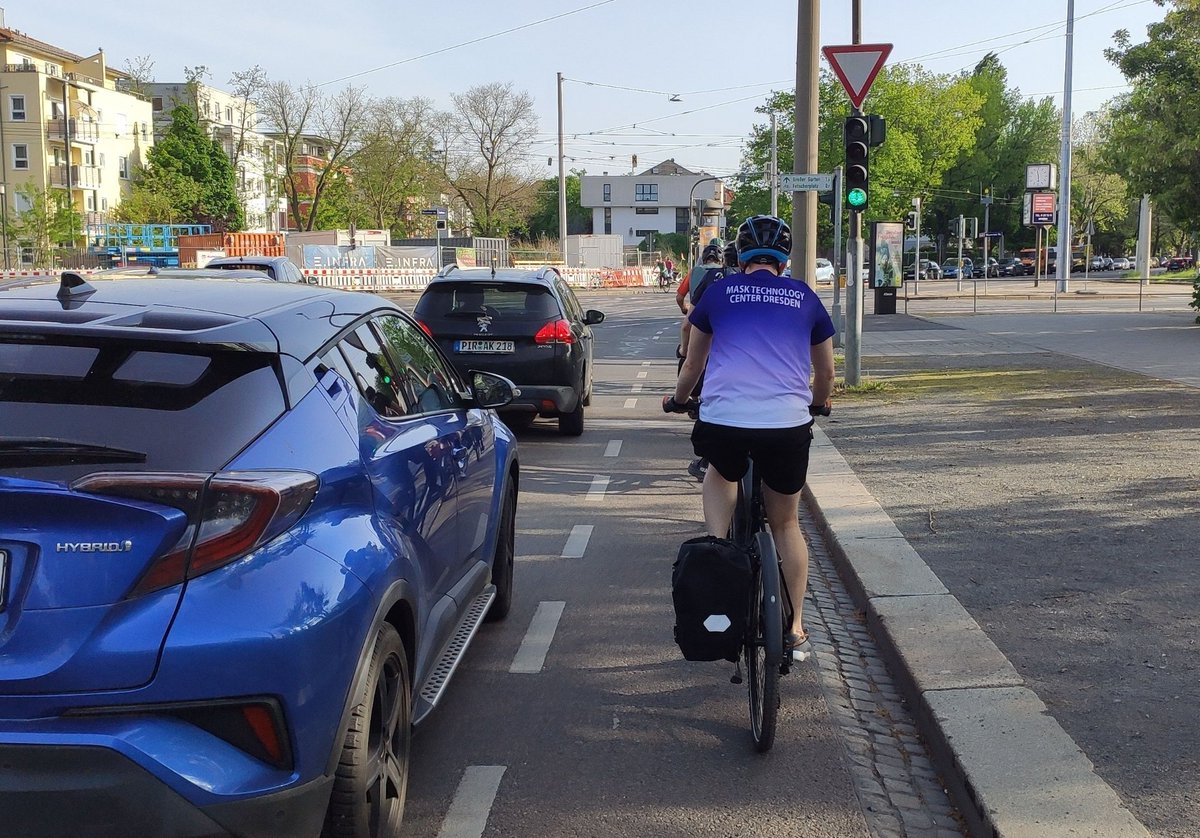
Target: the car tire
(371, 780)
(571, 424)
(503, 560)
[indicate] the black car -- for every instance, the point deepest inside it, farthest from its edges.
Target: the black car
(929, 270)
(279, 268)
(525, 325)
(1010, 266)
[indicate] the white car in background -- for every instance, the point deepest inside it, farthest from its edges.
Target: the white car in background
(824, 271)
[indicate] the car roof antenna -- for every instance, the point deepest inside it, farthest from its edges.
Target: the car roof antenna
(73, 286)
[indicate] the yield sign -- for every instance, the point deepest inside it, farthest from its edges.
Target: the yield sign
(856, 66)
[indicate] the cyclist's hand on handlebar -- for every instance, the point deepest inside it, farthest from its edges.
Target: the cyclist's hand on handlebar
(820, 409)
(669, 405)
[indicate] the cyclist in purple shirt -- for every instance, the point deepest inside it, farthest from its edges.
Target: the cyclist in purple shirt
(763, 337)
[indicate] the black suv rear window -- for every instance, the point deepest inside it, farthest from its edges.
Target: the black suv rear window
(187, 408)
(508, 301)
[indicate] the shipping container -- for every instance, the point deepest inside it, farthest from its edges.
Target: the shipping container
(233, 244)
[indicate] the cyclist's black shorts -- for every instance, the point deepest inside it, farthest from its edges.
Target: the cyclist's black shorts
(779, 454)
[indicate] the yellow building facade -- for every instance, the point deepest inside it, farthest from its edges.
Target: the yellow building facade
(64, 126)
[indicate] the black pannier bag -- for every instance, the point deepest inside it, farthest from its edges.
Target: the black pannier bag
(710, 586)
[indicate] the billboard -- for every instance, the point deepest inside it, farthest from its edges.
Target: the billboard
(1042, 207)
(887, 253)
(370, 256)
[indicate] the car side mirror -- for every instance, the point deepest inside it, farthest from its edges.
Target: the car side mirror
(491, 390)
(592, 317)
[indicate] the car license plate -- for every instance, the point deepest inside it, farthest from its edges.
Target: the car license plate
(3, 577)
(493, 346)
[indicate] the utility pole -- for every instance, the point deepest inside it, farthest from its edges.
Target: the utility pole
(986, 200)
(854, 289)
(804, 146)
(3, 187)
(774, 172)
(916, 203)
(836, 313)
(1065, 251)
(962, 233)
(1143, 243)
(562, 180)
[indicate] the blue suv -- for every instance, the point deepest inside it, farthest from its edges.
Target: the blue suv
(247, 530)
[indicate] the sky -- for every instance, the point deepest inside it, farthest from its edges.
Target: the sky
(623, 60)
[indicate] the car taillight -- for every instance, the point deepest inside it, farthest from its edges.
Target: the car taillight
(425, 328)
(556, 331)
(229, 514)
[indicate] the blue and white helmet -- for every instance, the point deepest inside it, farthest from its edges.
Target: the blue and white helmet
(764, 235)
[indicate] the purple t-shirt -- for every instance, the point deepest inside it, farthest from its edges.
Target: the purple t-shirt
(763, 327)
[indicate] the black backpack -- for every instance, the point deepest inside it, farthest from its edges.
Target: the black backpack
(710, 586)
(709, 277)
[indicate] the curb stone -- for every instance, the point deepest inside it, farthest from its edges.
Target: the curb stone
(1013, 771)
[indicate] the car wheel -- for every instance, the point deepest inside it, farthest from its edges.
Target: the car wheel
(571, 424)
(502, 562)
(371, 781)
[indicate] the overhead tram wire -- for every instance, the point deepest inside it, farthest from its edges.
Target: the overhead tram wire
(478, 40)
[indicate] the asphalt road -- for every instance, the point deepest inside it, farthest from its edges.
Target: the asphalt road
(1046, 468)
(613, 734)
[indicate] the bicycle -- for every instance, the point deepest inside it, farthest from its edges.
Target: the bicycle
(770, 611)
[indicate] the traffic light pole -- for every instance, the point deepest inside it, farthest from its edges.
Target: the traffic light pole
(854, 287)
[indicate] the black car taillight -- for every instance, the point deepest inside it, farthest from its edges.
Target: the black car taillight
(229, 514)
(253, 725)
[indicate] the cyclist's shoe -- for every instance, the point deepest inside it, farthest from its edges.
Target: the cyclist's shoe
(697, 468)
(799, 646)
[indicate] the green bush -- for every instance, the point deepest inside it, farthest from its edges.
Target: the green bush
(1195, 303)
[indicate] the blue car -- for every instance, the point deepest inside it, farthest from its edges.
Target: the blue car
(247, 530)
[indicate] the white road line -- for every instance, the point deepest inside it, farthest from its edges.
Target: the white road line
(598, 488)
(637, 388)
(630, 404)
(472, 802)
(531, 657)
(656, 337)
(642, 374)
(577, 541)
(645, 363)
(613, 449)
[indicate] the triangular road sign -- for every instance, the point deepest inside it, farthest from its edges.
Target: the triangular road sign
(856, 66)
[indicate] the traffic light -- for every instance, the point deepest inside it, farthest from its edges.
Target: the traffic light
(910, 223)
(829, 198)
(857, 135)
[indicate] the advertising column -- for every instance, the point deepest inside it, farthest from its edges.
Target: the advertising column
(887, 253)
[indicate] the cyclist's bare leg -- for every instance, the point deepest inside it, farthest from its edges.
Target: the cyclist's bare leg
(720, 497)
(790, 545)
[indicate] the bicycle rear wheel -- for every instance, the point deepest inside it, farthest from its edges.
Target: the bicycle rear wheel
(764, 644)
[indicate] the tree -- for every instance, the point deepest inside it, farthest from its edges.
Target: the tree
(1099, 196)
(159, 196)
(298, 114)
(189, 172)
(47, 221)
(395, 167)
(543, 222)
(245, 86)
(491, 132)
(140, 71)
(1152, 141)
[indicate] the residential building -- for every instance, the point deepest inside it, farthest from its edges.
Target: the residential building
(66, 125)
(310, 157)
(232, 122)
(666, 198)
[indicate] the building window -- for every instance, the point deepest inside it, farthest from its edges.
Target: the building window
(607, 192)
(683, 222)
(89, 201)
(646, 210)
(89, 157)
(20, 156)
(645, 192)
(123, 167)
(229, 114)
(104, 204)
(156, 104)
(608, 221)
(16, 108)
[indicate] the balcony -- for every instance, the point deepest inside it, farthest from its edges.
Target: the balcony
(20, 68)
(82, 130)
(82, 177)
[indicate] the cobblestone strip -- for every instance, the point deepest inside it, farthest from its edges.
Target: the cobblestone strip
(900, 791)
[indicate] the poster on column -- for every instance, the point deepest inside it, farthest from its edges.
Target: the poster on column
(887, 253)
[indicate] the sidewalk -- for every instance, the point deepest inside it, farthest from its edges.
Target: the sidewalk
(1013, 768)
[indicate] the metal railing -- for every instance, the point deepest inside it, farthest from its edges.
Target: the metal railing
(82, 130)
(82, 177)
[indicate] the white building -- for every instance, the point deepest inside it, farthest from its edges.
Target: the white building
(229, 118)
(666, 198)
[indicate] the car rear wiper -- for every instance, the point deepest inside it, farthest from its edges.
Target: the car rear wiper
(26, 452)
(465, 313)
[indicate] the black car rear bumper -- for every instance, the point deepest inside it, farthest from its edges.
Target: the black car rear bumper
(546, 399)
(70, 790)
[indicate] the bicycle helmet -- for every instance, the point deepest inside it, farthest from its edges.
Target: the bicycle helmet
(731, 255)
(711, 253)
(764, 235)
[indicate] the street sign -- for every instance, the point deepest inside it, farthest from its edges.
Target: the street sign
(440, 212)
(1042, 206)
(856, 66)
(805, 183)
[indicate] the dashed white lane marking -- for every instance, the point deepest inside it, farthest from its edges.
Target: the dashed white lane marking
(630, 404)
(613, 449)
(642, 374)
(472, 802)
(645, 363)
(637, 388)
(598, 488)
(577, 541)
(531, 657)
(656, 337)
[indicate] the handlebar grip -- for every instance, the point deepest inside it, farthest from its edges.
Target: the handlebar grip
(819, 410)
(672, 406)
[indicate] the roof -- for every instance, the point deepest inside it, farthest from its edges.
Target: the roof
(239, 313)
(667, 167)
(14, 37)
